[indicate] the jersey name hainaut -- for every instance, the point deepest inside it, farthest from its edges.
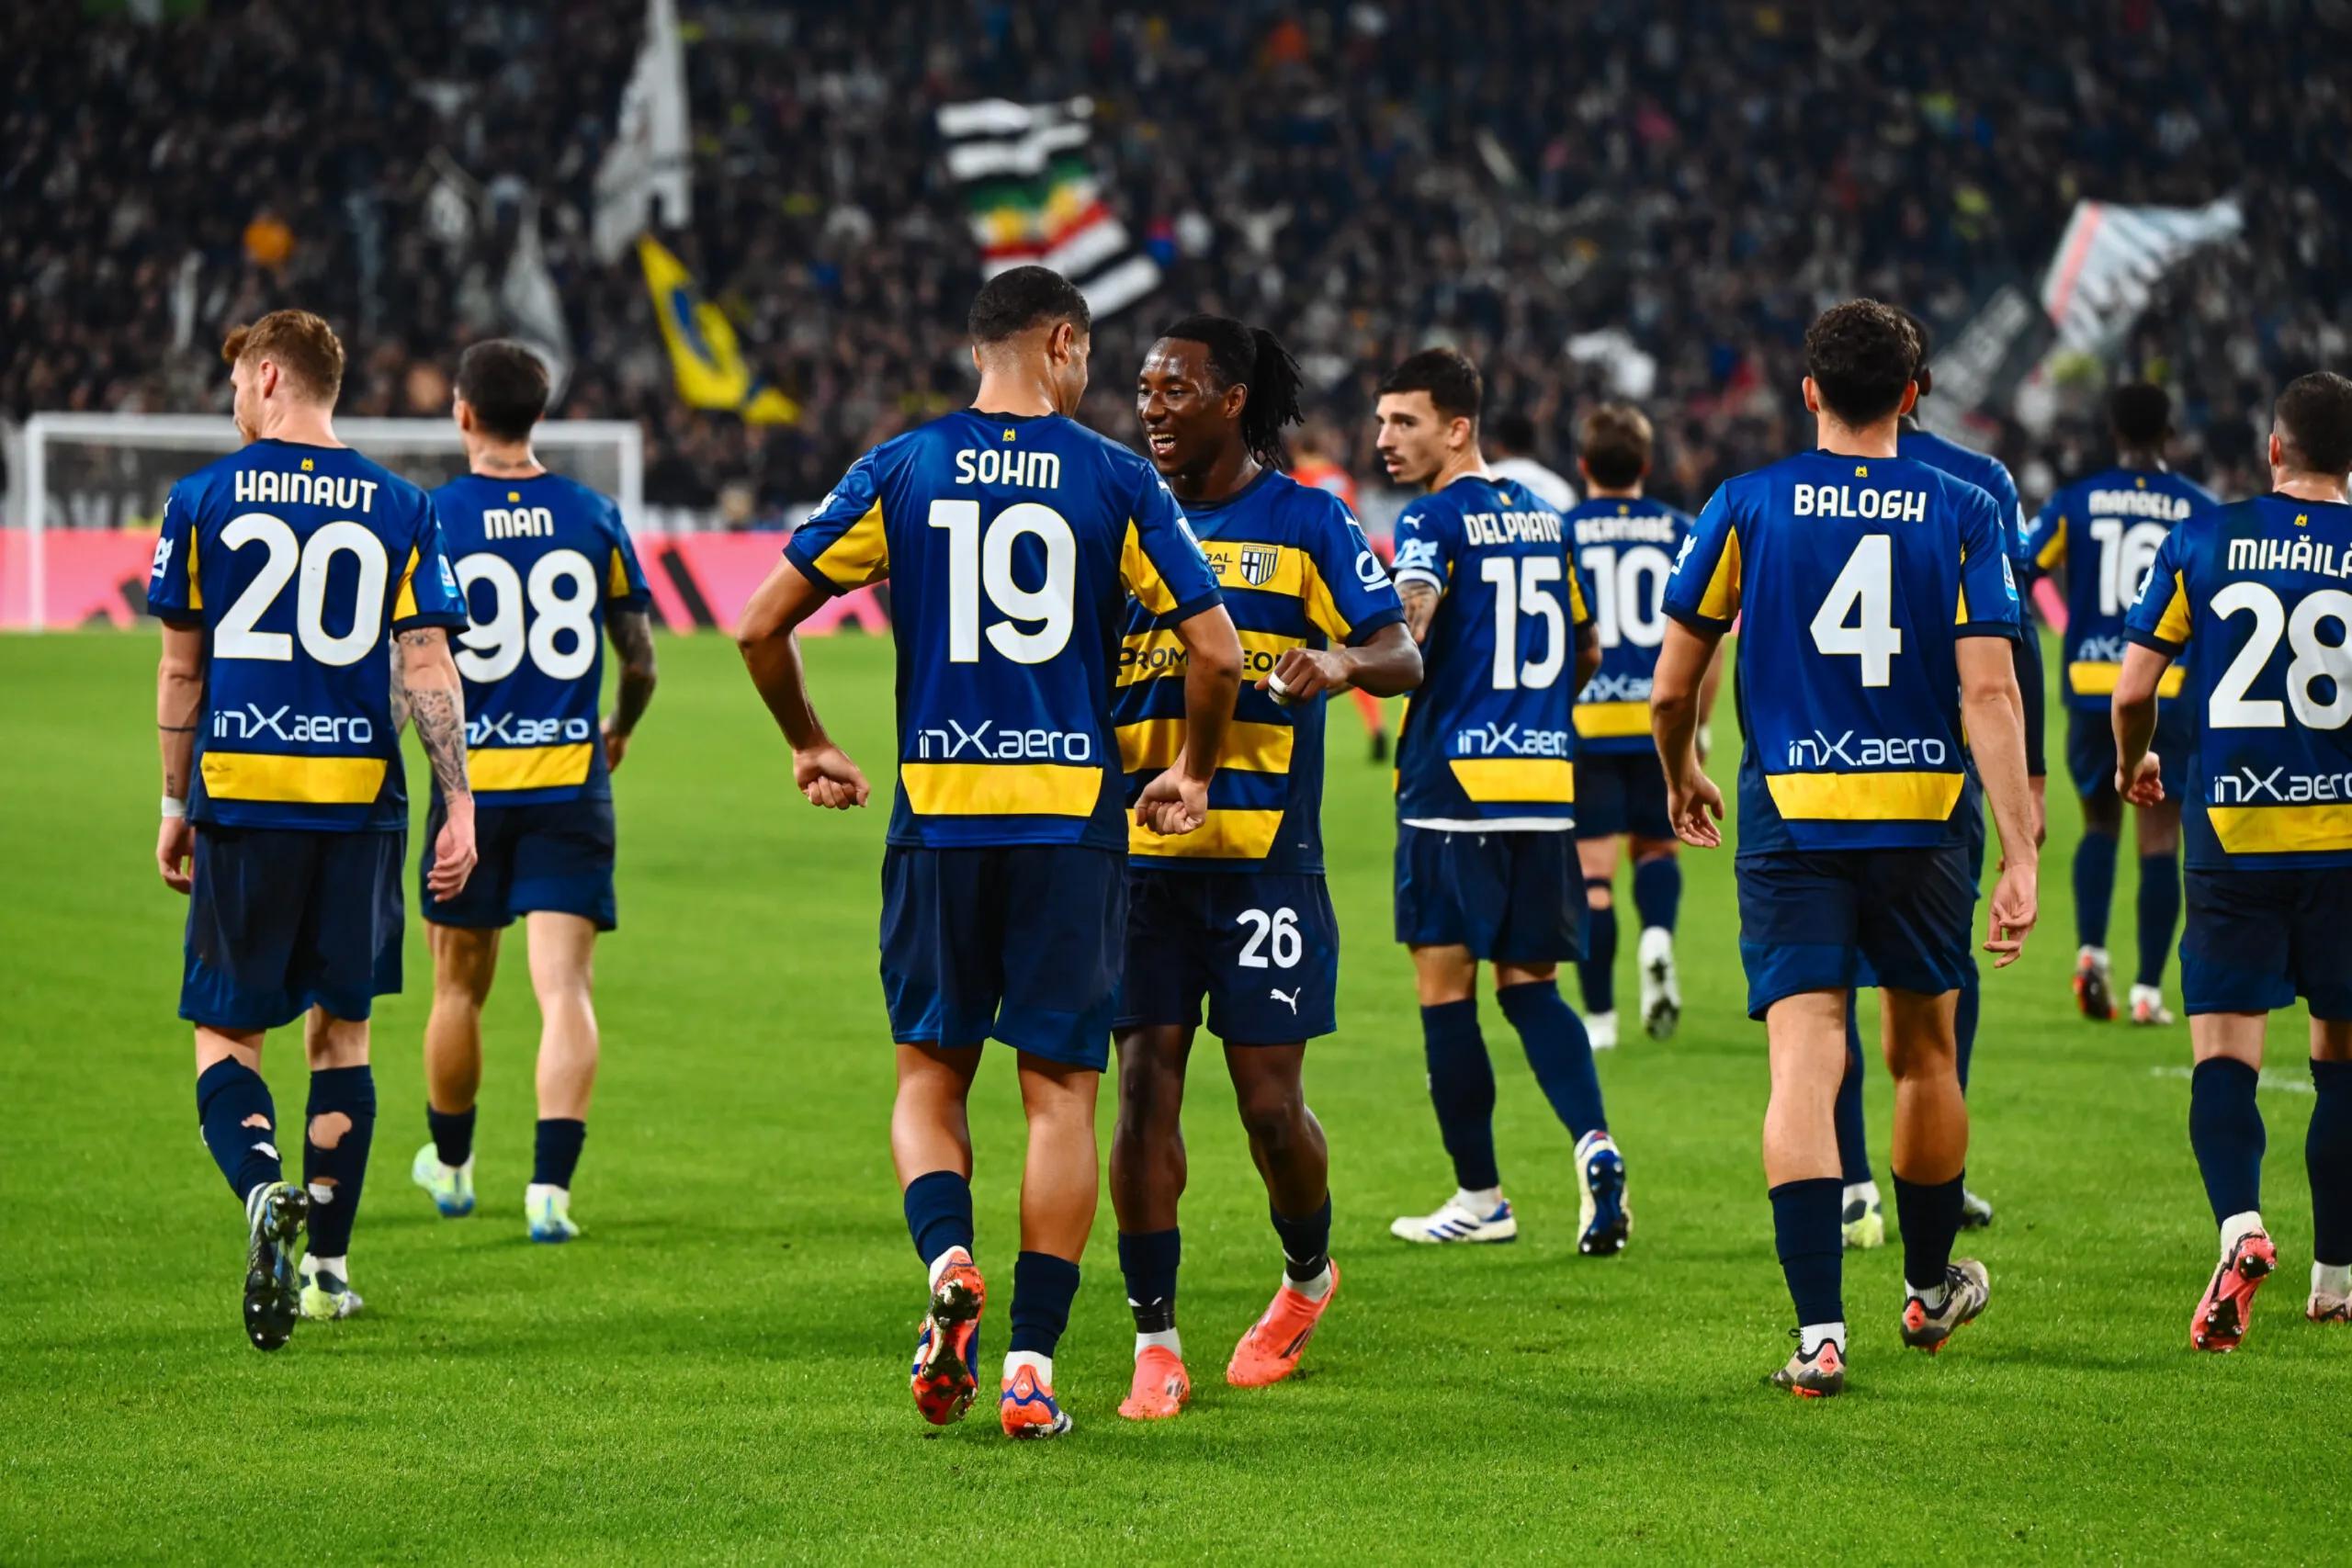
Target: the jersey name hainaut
(1858, 501)
(990, 465)
(288, 487)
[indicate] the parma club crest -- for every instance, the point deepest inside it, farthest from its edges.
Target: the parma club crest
(1257, 563)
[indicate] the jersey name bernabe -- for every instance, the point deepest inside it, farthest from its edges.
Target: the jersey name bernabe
(1012, 466)
(1858, 501)
(288, 488)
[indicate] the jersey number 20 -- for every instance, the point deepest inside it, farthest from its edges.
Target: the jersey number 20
(236, 637)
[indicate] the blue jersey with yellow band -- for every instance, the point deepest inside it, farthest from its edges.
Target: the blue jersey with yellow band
(1490, 737)
(2104, 533)
(1859, 576)
(1625, 550)
(539, 561)
(1012, 545)
(300, 562)
(1296, 572)
(2260, 596)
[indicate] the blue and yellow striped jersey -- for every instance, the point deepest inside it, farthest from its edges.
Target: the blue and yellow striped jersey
(1011, 543)
(1625, 551)
(1296, 572)
(1489, 739)
(1855, 579)
(2104, 532)
(538, 561)
(2260, 592)
(300, 562)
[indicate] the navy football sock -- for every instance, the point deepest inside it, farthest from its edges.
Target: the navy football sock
(1964, 1009)
(1306, 1242)
(1658, 891)
(939, 1213)
(1597, 970)
(1148, 1262)
(1043, 1288)
(2327, 1158)
(1462, 1087)
(232, 1106)
(1559, 1051)
(338, 1126)
(555, 1151)
(453, 1134)
(2159, 913)
(1928, 1215)
(1812, 1250)
(1853, 1137)
(2226, 1129)
(2094, 887)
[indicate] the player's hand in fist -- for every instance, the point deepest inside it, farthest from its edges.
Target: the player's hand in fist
(1306, 672)
(2145, 787)
(1174, 804)
(1696, 808)
(455, 851)
(616, 745)
(829, 778)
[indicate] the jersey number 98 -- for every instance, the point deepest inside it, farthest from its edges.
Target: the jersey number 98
(980, 561)
(560, 597)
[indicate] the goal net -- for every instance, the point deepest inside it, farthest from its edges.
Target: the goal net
(85, 492)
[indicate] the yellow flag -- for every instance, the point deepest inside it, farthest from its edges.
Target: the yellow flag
(705, 357)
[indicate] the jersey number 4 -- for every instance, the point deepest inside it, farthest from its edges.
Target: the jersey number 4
(982, 560)
(1865, 592)
(561, 596)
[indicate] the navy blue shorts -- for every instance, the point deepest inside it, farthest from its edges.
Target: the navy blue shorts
(1509, 898)
(555, 856)
(1621, 795)
(1020, 942)
(1264, 947)
(281, 921)
(1838, 920)
(2256, 939)
(2090, 748)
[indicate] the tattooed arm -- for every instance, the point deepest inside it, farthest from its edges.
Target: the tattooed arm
(632, 634)
(1420, 606)
(179, 703)
(436, 704)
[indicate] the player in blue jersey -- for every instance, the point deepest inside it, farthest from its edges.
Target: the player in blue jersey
(1238, 912)
(1012, 539)
(1877, 598)
(1624, 547)
(548, 569)
(1864, 1215)
(297, 582)
(2260, 596)
(2101, 533)
(1486, 789)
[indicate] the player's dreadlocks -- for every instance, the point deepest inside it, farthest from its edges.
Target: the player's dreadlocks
(1252, 357)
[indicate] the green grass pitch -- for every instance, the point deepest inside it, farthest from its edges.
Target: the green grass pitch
(718, 1371)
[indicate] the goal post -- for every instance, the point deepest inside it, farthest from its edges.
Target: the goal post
(88, 487)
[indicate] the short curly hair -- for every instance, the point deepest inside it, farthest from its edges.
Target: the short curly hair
(1861, 355)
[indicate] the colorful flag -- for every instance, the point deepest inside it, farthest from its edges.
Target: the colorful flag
(1032, 195)
(704, 355)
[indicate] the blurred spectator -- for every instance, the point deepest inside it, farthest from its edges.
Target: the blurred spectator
(1363, 176)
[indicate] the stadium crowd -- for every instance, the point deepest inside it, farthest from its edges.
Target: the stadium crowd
(1363, 176)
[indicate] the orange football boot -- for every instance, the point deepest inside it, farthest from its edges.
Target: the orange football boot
(1269, 1351)
(943, 1379)
(1163, 1387)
